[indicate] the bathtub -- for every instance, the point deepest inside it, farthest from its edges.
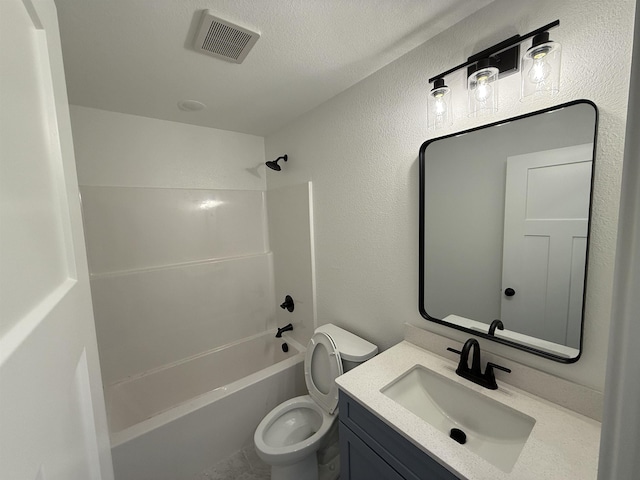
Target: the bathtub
(173, 422)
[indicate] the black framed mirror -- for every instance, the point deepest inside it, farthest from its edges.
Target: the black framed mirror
(505, 214)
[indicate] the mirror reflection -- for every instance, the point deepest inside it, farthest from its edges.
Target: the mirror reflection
(504, 229)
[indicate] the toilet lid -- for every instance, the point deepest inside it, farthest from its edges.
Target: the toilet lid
(322, 365)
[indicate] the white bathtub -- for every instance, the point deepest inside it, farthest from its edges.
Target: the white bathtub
(173, 422)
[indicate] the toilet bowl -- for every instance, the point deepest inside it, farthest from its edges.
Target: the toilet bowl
(293, 430)
(297, 432)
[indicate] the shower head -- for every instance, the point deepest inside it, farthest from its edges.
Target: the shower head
(273, 165)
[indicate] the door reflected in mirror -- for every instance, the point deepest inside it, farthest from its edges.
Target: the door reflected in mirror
(504, 226)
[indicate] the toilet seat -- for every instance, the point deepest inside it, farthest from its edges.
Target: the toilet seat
(322, 365)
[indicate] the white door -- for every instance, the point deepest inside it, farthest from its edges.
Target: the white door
(52, 415)
(545, 243)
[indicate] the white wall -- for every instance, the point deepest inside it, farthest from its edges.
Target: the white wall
(290, 212)
(175, 223)
(360, 151)
(132, 151)
(620, 441)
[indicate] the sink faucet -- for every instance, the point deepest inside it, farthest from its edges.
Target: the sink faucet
(286, 328)
(495, 324)
(474, 374)
(464, 357)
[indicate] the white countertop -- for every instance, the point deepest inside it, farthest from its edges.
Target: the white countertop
(563, 445)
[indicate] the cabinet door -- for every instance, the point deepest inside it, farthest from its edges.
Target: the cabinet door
(404, 458)
(359, 462)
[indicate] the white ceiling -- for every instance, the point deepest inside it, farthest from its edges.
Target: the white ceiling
(136, 56)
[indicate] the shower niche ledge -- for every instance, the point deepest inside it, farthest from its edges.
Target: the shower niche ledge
(510, 434)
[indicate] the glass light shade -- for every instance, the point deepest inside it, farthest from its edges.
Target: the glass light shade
(483, 91)
(439, 106)
(540, 70)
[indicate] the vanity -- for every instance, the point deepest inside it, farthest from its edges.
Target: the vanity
(504, 224)
(387, 430)
(372, 449)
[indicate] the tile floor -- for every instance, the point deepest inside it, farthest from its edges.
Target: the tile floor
(243, 465)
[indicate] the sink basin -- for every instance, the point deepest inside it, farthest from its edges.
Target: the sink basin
(493, 431)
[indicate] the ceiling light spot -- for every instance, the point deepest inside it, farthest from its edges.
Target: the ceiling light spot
(191, 105)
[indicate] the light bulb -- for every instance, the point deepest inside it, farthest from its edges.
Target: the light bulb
(539, 71)
(483, 89)
(440, 106)
(439, 103)
(540, 68)
(439, 115)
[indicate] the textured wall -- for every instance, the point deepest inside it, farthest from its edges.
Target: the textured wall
(620, 440)
(360, 150)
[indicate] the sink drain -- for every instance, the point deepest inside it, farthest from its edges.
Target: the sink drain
(458, 435)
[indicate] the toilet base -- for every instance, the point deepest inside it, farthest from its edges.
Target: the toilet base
(306, 468)
(329, 456)
(330, 470)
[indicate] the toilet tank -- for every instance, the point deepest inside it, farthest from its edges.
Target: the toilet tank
(353, 349)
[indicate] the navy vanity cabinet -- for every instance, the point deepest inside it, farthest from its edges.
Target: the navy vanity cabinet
(370, 449)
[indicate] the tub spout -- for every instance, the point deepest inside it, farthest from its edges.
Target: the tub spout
(286, 328)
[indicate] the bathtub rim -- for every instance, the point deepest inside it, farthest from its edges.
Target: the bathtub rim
(141, 428)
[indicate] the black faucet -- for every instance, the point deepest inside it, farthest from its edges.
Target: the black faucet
(495, 324)
(286, 328)
(474, 374)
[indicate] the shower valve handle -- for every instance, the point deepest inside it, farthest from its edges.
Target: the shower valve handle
(288, 303)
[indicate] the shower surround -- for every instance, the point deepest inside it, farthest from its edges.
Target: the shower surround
(183, 270)
(176, 229)
(175, 272)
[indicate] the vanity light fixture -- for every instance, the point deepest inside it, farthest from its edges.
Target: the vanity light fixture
(482, 87)
(439, 110)
(540, 71)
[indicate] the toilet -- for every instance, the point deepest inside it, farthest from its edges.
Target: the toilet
(299, 438)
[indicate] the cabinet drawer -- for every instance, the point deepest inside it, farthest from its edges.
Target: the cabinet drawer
(402, 455)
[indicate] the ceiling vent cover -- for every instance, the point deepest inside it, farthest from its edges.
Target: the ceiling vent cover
(222, 39)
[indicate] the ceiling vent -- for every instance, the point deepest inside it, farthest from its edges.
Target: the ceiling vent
(222, 39)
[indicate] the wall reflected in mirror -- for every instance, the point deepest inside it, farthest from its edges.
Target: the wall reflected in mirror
(504, 224)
